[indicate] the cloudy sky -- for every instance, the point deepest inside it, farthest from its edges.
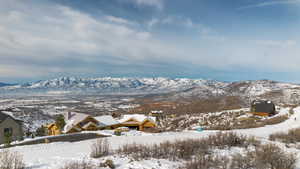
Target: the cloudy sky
(213, 39)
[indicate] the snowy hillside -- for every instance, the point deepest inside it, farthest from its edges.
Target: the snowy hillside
(277, 91)
(56, 154)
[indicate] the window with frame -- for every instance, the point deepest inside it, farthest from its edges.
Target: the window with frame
(8, 131)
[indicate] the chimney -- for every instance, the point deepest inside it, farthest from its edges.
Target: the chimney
(68, 115)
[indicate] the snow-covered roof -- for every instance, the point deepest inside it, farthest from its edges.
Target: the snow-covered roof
(75, 117)
(106, 120)
(88, 125)
(6, 114)
(138, 117)
(157, 112)
(72, 119)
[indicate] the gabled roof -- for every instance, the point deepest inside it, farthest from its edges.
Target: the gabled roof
(106, 120)
(4, 115)
(89, 124)
(73, 120)
(76, 117)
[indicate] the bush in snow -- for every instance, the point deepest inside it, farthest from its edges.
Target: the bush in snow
(207, 162)
(230, 139)
(292, 136)
(79, 165)
(182, 149)
(185, 149)
(108, 163)
(11, 160)
(100, 148)
(41, 131)
(267, 156)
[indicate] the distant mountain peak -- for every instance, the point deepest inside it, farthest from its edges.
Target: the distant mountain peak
(176, 87)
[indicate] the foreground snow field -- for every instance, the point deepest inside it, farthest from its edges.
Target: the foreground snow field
(55, 155)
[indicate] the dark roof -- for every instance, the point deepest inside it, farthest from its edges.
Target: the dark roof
(4, 116)
(265, 106)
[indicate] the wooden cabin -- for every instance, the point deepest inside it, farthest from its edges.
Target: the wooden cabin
(263, 108)
(138, 122)
(53, 130)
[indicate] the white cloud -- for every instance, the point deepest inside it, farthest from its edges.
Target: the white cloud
(270, 3)
(180, 21)
(118, 20)
(43, 34)
(41, 39)
(159, 4)
(155, 4)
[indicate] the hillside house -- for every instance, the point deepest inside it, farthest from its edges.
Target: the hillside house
(138, 122)
(263, 107)
(107, 122)
(10, 128)
(76, 122)
(53, 129)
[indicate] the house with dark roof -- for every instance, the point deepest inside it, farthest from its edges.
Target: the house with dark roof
(10, 128)
(263, 108)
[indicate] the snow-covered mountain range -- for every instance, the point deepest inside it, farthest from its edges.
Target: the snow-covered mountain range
(177, 88)
(107, 84)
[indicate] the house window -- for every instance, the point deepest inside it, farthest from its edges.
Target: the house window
(8, 131)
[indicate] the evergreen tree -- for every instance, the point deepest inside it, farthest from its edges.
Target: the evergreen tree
(41, 131)
(60, 121)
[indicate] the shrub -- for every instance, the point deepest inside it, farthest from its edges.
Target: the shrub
(273, 157)
(227, 140)
(7, 139)
(11, 160)
(292, 136)
(166, 150)
(41, 131)
(207, 162)
(275, 120)
(239, 161)
(117, 132)
(100, 148)
(108, 163)
(267, 156)
(60, 121)
(186, 149)
(79, 165)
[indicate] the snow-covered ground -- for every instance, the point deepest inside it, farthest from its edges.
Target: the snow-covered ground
(54, 155)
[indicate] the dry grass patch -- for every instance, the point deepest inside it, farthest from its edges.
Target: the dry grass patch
(186, 149)
(267, 156)
(292, 136)
(207, 162)
(79, 165)
(100, 148)
(11, 160)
